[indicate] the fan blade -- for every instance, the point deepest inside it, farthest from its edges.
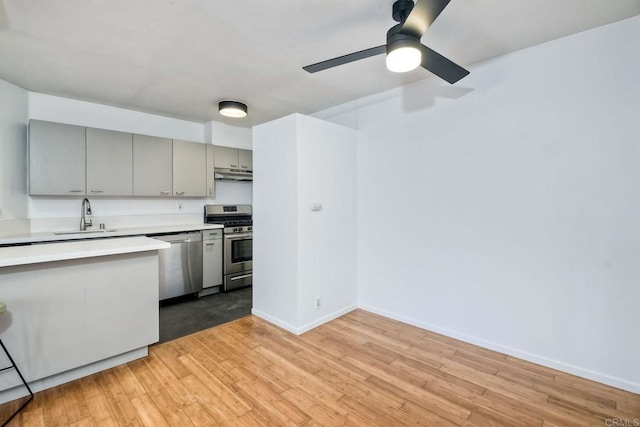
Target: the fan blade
(345, 59)
(441, 66)
(422, 15)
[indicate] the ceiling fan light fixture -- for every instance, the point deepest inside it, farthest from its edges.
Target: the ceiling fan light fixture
(235, 109)
(403, 59)
(403, 55)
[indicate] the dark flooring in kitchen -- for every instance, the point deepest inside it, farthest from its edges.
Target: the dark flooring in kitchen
(187, 315)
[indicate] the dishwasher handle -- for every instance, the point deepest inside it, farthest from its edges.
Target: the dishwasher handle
(179, 238)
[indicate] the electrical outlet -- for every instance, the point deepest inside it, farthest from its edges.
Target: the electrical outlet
(316, 206)
(317, 303)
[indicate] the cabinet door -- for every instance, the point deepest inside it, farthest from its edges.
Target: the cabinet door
(121, 308)
(109, 163)
(226, 157)
(210, 171)
(152, 166)
(189, 169)
(56, 159)
(245, 158)
(212, 259)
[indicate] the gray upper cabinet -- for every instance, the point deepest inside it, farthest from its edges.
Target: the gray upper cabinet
(210, 171)
(67, 160)
(233, 158)
(189, 169)
(56, 159)
(152, 166)
(109, 163)
(245, 160)
(226, 157)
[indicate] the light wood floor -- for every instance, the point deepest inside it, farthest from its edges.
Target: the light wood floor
(361, 369)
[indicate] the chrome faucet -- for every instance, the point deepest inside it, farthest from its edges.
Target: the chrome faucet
(84, 212)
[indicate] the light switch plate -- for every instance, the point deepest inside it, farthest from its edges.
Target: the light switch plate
(316, 206)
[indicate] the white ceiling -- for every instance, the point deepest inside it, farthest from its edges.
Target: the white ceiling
(180, 57)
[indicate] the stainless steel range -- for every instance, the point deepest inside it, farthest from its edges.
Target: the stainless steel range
(238, 242)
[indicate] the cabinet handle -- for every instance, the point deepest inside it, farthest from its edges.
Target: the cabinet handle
(75, 191)
(209, 244)
(165, 192)
(210, 191)
(179, 193)
(96, 191)
(234, 166)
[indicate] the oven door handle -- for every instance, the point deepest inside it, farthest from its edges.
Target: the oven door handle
(244, 276)
(238, 236)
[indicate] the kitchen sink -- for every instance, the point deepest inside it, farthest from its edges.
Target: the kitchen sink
(58, 233)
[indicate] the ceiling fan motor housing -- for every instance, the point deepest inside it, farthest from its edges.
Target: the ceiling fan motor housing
(397, 39)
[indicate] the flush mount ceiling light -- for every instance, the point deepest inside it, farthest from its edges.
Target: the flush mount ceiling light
(234, 109)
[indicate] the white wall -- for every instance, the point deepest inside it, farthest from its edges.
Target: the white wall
(228, 136)
(505, 210)
(327, 239)
(275, 219)
(300, 254)
(13, 158)
(64, 110)
(81, 113)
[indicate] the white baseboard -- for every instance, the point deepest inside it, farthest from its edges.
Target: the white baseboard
(73, 374)
(275, 321)
(534, 358)
(302, 329)
(325, 319)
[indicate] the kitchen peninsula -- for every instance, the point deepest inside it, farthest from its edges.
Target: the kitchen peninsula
(77, 307)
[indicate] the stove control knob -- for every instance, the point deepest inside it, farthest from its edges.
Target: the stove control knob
(236, 228)
(250, 228)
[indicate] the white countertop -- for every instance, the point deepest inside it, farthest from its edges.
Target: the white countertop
(33, 254)
(119, 232)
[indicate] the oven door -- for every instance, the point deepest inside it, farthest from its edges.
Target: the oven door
(238, 253)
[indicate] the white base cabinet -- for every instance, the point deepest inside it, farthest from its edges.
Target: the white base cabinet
(211, 258)
(66, 314)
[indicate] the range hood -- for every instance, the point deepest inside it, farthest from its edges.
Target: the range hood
(221, 174)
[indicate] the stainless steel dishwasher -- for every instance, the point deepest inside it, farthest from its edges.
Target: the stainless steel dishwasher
(180, 265)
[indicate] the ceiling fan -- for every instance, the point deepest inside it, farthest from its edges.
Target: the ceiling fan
(404, 50)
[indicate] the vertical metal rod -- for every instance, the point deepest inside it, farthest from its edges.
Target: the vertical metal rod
(23, 382)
